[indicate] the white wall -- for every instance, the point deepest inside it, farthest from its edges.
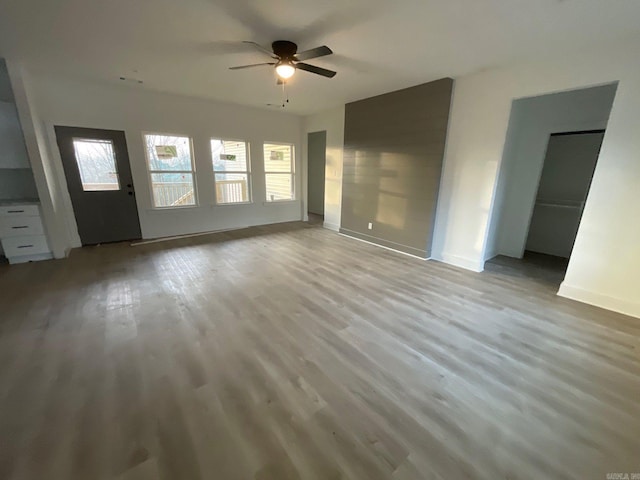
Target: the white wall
(333, 122)
(71, 102)
(605, 264)
(49, 191)
(532, 121)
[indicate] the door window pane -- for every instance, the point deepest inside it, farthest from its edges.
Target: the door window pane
(96, 161)
(279, 186)
(232, 188)
(173, 189)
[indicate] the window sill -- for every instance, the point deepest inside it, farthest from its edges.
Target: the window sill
(160, 210)
(234, 204)
(279, 202)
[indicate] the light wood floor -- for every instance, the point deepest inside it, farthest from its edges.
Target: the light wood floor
(289, 352)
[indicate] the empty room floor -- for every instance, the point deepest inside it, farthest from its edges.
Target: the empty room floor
(289, 351)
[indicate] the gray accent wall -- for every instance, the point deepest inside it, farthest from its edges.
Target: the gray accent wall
(6, 93)
(393, 151)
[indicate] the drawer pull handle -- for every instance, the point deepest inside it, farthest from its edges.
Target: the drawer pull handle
(25, 246)
(21, 226)
(15, 211)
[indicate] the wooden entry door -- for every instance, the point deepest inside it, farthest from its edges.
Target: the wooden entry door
(96, 166)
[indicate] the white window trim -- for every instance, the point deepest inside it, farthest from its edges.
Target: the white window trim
(247, 173)
(294, 190)
(115, 163)
(278, 202)
(150, 172)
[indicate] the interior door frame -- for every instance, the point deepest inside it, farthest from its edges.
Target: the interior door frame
(558, 132)
(308, 179)
(556, 128)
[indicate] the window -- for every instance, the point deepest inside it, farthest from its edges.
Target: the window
(170, 161)
(231, 171)
(279, 172)
(96, 161)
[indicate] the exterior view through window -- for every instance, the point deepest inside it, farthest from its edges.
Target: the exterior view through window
(170, 162)
(232, 171)
(96, 161)
(279, 172)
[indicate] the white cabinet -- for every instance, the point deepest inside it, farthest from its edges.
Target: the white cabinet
(13, 152)
(19, 226)
(22, 233)
(14, 209)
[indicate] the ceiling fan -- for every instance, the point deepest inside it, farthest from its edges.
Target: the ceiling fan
(287, 60)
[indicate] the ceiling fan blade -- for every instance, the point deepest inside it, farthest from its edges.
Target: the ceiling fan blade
(313, 53)
(251, 66)
(261, 48)
(317, 70)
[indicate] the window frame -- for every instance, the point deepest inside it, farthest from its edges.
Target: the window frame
(247, 173)
(292, 173)
(150, 172)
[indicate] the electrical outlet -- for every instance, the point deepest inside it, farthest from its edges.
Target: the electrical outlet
(370, 225)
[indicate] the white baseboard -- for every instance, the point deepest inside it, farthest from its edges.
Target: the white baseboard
(462, 262)
(600, 300)
(331, 226)
(385, 247)
(30, 258)
(145, 241)
(490, 255)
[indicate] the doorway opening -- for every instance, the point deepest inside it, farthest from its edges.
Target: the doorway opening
(317, 159)
(562, 192)
(550, 157)
(98, 174)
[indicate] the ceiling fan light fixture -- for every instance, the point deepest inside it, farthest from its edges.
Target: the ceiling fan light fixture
(285, 69)
(286, 59)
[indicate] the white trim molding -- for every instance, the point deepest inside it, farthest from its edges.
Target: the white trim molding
(474, 265)
(331, 226)
(384, 246)
(607, 302)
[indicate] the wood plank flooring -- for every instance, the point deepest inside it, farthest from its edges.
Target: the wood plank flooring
(291, 352)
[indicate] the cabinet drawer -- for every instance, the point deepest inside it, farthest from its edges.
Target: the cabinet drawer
(20, 226)
(24, 245)
(22, 210)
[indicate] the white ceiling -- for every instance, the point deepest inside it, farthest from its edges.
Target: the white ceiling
(186, 46)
